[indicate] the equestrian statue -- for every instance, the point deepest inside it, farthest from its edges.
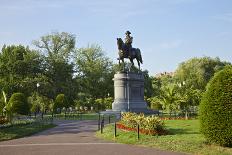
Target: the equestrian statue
(125, 50)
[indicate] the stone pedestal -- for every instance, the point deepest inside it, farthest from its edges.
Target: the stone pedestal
(129, 93)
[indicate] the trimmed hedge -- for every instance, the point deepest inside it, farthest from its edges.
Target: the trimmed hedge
(19, 104)
(216, 109)
(61, 101)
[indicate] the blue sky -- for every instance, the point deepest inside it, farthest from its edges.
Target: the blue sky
(167, 31)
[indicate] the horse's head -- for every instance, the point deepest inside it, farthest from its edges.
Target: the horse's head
(120, 43)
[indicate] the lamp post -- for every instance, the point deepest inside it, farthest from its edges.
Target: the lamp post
(37, 91)
(37, 86)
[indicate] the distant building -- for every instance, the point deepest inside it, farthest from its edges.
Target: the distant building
(171, 74)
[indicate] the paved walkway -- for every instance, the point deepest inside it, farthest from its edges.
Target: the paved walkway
(72, 137)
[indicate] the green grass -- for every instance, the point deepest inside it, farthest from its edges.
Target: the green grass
(22, 130)
(87, 116)
(184, 136)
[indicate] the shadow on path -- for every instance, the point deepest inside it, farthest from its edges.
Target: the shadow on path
(72, 137)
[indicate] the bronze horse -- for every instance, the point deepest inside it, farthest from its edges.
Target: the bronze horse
(123, 53)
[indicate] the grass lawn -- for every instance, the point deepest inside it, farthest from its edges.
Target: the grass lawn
(85, 116)
(184, 137)
(22, 130)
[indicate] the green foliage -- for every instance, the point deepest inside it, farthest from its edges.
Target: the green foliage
(147, 123)
(156, 85)
(197, 72)
(95, 72)
(216, 109)
(19, 104)
(103, 104)
(61, 101)
(19, 66)
(154, 103)
(6, 107)
(40, 103)
(169, 98)
(57, 46)
(59, 67)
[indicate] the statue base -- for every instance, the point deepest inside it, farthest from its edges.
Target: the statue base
(129, 93)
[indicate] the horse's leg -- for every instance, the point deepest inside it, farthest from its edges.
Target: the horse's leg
(123, 64)
(131, 60)
(138, 62)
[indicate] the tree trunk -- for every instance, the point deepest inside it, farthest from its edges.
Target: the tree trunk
(186, 114)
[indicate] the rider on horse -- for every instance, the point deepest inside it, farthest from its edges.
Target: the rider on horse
(128, 43)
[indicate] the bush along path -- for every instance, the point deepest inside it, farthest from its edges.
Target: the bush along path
(216, 109)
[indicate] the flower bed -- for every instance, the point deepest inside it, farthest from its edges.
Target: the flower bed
(143, 131)
(148, 125)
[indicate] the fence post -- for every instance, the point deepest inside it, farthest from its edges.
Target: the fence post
(102, 124)
(115, 129)
(138, 132)
(109, 119)
(99, 118)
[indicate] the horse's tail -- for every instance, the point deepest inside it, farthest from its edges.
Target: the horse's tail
(140, 56)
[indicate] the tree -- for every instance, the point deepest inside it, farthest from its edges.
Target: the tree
(192, 77)
(94, 72)
(197, 72)
(6, 107)
(156, 85)
(56, 45)
(216, 107)
(19, 67)
(58, 49)
(155, 103)
(169, 98)
(61, 102)
(39, 103)
(19, 104)
(148, 89)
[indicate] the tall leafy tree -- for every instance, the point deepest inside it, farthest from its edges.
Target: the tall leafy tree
(94, 72)
(19, 66)
(56, 45)
(197, 72)
(192, 77)
(58, 49)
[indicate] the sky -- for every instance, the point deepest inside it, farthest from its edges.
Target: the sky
(167, 32)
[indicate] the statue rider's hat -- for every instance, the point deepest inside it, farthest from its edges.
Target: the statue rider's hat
(128, 32)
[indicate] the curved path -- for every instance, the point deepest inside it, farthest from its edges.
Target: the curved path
(72, 137)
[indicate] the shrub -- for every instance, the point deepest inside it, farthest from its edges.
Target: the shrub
(150, 123)
(61, 101)
(216, 109)
(19, 104)
(154, 103)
